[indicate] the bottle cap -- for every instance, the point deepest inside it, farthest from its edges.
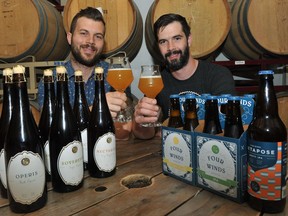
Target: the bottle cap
(190, 96)
(48, 72)
(61, 69)
(234, 98)
(264, 72)
(18, 69)
(99, 70)
(174, 96)
(211, 97)
(78, 73)
(7, 72)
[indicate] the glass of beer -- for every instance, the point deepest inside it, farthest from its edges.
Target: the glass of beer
(120, 76)
(150, 84)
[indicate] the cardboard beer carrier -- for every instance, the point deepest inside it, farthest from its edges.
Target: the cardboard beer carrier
(213, 162)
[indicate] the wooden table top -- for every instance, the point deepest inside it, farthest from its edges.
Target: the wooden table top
(165, 196)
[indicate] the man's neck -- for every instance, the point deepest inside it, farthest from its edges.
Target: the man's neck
(187, 71)
(87, 71)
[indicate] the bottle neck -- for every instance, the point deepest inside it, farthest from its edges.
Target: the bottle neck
(100, 92)
(49, 91)
(7, 94)
(190, 110)
(62, 89)
(266, 103)
(175, 107)
(79, 87)
(21, 100)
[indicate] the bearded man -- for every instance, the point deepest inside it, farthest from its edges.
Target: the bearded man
(181, 74)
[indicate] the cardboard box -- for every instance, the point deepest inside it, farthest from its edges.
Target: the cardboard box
(215, 163)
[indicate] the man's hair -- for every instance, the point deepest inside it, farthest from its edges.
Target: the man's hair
(166, 19)
(90, 13)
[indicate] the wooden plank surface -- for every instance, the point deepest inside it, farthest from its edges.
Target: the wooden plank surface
(69, 203)
(161, 197)
(207, 203)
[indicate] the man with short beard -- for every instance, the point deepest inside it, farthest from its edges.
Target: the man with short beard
(86, 38)
(182, 73)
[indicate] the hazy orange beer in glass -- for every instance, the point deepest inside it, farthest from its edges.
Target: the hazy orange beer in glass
(120, 76)
(150, 84)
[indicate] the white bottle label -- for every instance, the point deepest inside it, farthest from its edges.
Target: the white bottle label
(85, 145)
(3, 169)
(47, 157)
(70, 163)
(26, 177)
(217, 168)
(177, 154)
(104, 152)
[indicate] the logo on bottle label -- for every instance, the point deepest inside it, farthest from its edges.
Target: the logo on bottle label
(178, 154)
(267, 170)
(85, 145)
(47, 157)
(104, 152)
(217, 165)
(26, 177)
(70, 163)
(3, 169)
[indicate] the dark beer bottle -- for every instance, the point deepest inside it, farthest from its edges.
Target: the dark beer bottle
(267, 151)
(26, 181)
(212, 122)
(101, 133)
(175, 120)
(46, 117)
(82, 113)
(66, 150)
(191, 117)
(4, 123)
(233, 119)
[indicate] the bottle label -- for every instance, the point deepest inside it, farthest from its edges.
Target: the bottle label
(178, 154)
(26, 177)
(47, 157)
(3, 169)
(85, 145)
(217, 165)
(70, 163)
(104, 152)
(267, 170)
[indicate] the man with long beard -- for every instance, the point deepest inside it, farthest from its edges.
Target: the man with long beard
(182, 73)
(86, 38)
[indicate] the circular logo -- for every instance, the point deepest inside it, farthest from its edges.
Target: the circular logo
(75, 149)
(215, 149)
(25, 161)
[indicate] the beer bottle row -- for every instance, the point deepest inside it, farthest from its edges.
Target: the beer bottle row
(266, 140)
(233, 121)
(66, 140)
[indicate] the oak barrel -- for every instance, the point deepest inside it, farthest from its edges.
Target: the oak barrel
(282, 98)
(209, 21)
(259, 29)
(124, 25)
(31, 28)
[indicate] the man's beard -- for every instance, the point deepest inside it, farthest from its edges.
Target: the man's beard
(177, 64)
(77, 55)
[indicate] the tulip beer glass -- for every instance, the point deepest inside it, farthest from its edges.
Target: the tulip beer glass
(120, 76)
(150, 83)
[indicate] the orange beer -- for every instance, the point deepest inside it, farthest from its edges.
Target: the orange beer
(120, 78)
(150, 85)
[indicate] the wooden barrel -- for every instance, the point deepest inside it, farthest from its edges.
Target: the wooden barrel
(259, 29)
(124, 25)
(34, 108)
(209, 21)
(31, 28)
(282, 98)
